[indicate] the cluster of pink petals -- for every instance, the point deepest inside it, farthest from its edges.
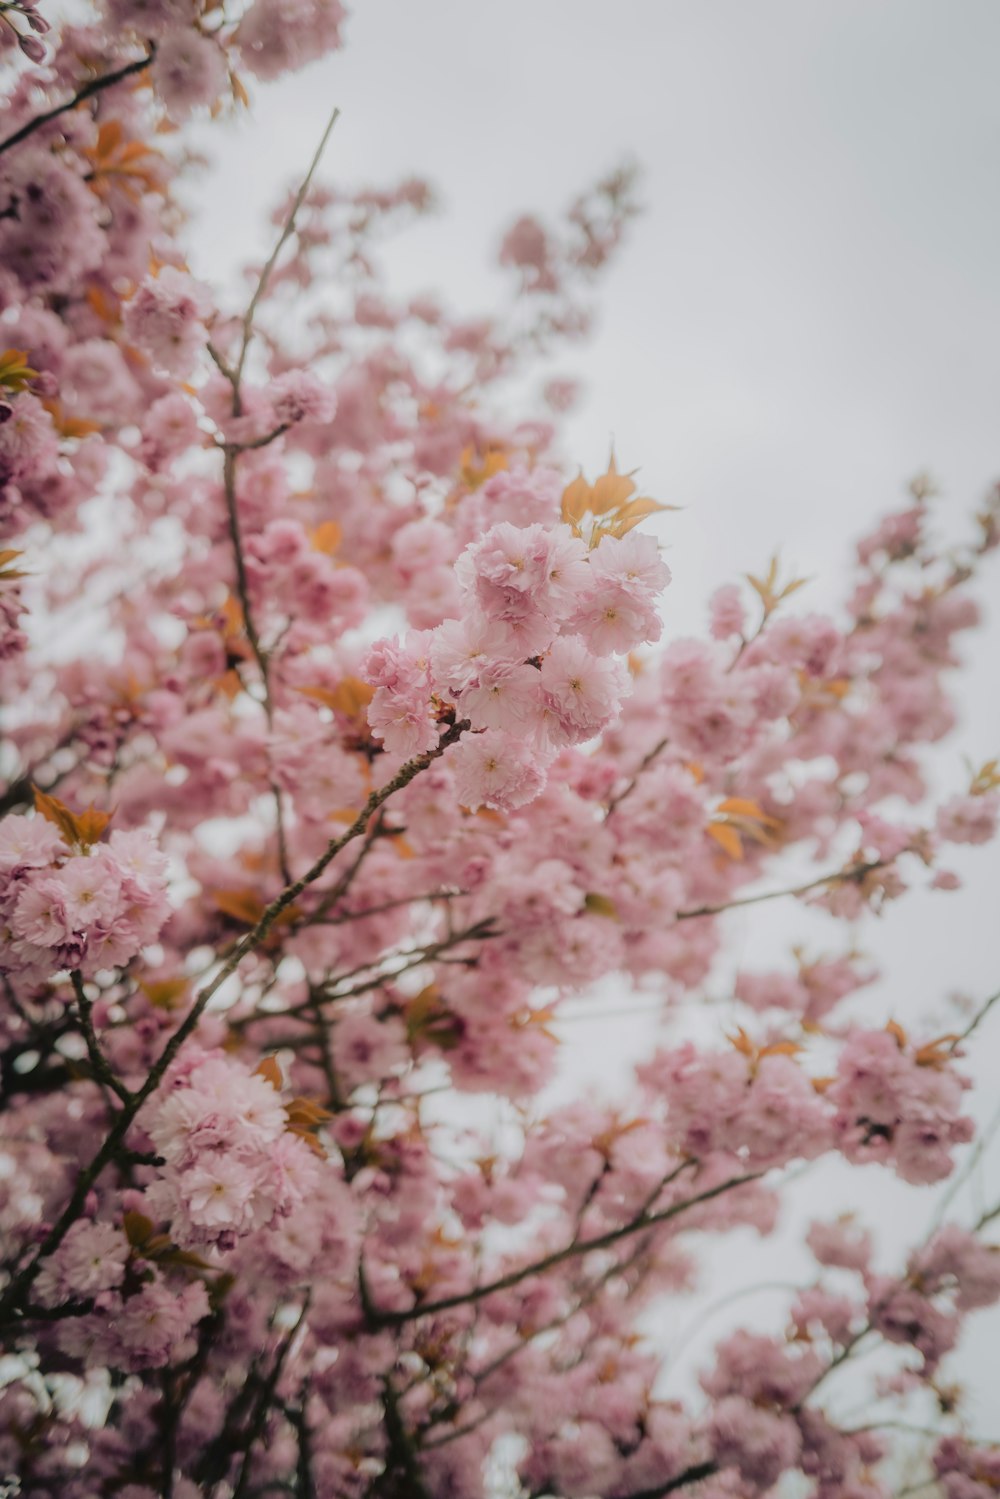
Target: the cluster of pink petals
(85, 910)
(166, 320)
(893, 1110)
(530, 661)
(231, 1166)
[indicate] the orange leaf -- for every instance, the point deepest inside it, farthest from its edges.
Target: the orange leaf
(242, 905)
(343, 814)
(229, 684)
(611, 491)
(91, 825)
(306, 1113)
(781, 1049)
(743, 806)
(327, 537)
(575, 499)
(163, 993)
(10, 574)
(269, 1070)
(15, 372)
(476, 468)
(742, 1043)
(727, 838)
(897, 1032)
(325, 695)
(108, 137)
(937, 1053)
(100, 303)
(78, 830)
(350, 696)
(239, 92)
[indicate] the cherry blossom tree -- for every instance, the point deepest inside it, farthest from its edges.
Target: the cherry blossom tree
(343, 743)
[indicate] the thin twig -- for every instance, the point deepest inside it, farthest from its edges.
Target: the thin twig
(856, 873)
(283, 238)
(644, 763)
(976, 1020)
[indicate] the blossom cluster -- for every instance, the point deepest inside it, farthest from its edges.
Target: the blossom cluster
(231, 1165)
(530, 660)
(77, 908)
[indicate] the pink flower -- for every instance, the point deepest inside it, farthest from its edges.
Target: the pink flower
(616, 609)
(401, 712)
(91, 1259)
(169, 429)
(155, 1324)
(298, 396)
(958, 1261)
(969, 819)
(91, 891)
(504, 697)
(368, 1049)
(523, 578)
(462, 648)
(190, 72)
(279, 36)
(28, 843)
(404, 721)
(217, 1193)
(841, 1243)
(166, 318)
(40, 915)
(727, 616)
(582, 692)
(761, 1444)
(496, 769)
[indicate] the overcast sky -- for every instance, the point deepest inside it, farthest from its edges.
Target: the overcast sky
(807, 314)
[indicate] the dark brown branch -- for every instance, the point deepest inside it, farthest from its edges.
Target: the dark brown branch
(263, 1406)
(100, 1065)
(694, 1474)
(96, 86)
(643, 1221)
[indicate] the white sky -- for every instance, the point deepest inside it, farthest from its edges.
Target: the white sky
(807, 314)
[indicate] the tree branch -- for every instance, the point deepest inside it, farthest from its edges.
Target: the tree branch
(265, 274)
(96, 86)
(856, 873)
(102, 1068)
(548, 1262)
